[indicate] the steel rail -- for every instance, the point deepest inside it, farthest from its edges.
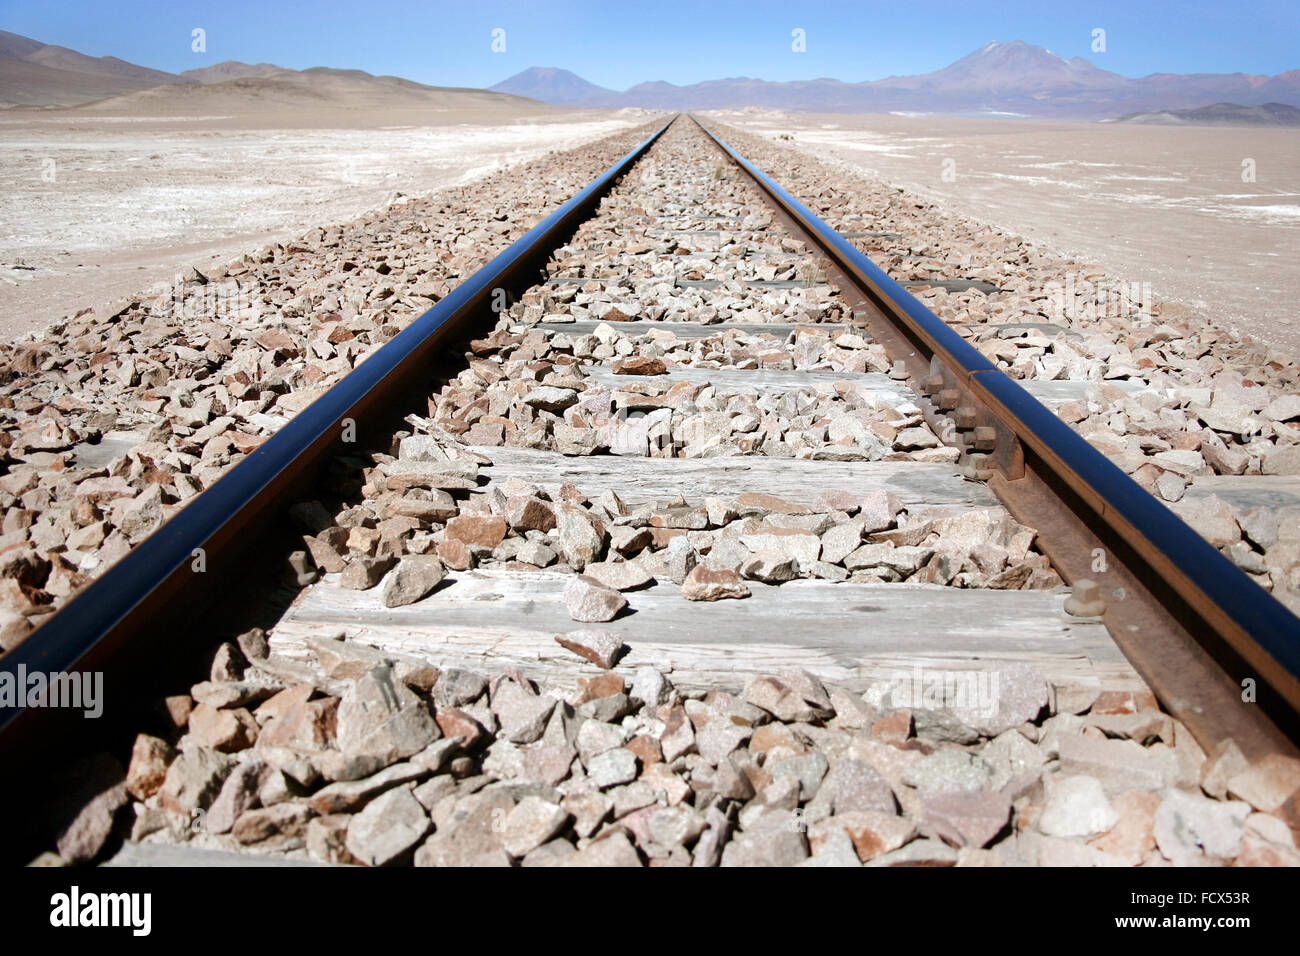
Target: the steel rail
(1191, 622)
(159, 581)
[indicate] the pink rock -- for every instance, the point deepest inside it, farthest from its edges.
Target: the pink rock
(707, 584)
(589, 601)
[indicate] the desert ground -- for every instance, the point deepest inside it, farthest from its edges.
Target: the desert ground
(97, 205)
(1161, 205)
(100, 203)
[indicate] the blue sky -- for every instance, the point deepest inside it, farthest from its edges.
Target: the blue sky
(619, 44)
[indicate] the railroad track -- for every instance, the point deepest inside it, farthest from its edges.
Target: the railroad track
(700, 437)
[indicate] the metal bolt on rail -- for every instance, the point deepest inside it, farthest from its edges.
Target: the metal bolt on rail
(1085, 599)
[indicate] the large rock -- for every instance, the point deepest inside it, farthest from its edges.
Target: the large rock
(776, 839)
(1010, 755)
(650, 686)
(381, 717)
(679, 734)
(327, 839)
(281, 826)
(602, 648)
(834, 850)
(797, 696)
(456, 688)
(194, 779)
(532, 514)
(578, 538)
(809, 769)
(966, 817)
(238, 793)
(523, 714)
(348, 660)
(1189, 827)
(613, 850)
(948, 770)
(1268, 841)
(1132, 837)
(879, 510)
(224, 730)
(1284, 408)
(300, 724)
(387, 828)
(922, 852)
(1268, 783)
(551, 399)
(345, 796)
(676, 826)
(470, 833)
(1076, 807)
(613, 767)
(589, 810)
(1120, 765)
(640, 365)
(414, 578)
(97, 793)
(801, 546)
(590, 602)
(363, 573)
(841, 541)
(619, 575)
(1211, 517)
(719, 738)
(148, 768)
(853, 786)
(483, 531)
(1033, 849)
(680, 558)
(531, 823)
(872, 832)
(1283, 460)
(1017, 695)
(708, 847)
(706, 584)
(770, 568)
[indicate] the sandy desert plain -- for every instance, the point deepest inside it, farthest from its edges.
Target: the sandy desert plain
(96, 204)
(1151, 204)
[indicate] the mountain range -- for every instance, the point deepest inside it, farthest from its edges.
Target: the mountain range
(1015, 78)
(34, 74)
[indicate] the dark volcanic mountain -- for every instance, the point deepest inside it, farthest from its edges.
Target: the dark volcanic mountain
(998, 78)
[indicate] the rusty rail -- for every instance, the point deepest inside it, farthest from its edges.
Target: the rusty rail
(150, 596)
(1220, 653)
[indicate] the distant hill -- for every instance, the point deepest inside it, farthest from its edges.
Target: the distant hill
(551, 85)
(1000, 78)
(1219, 114)
(315, 88)
(35, 74)
(230, 70)
(38, 74)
